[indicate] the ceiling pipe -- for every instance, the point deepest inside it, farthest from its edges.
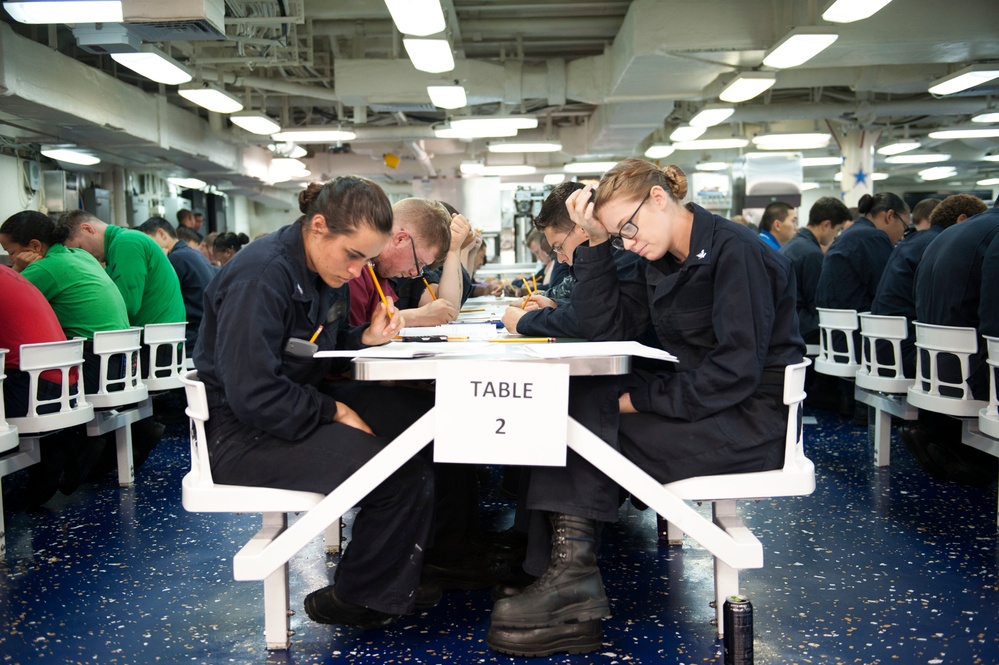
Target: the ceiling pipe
(861, 110)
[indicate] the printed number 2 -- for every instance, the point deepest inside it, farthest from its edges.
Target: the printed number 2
(502, 424)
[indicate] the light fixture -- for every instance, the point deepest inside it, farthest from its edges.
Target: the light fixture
(848, 11)
(991, 158)
(554, 178)
(508, 170)
(965, 78)
(471, 167)
(898, 147)
(314, 135)
(287, 149)
(747, 85)
(659, 150)
(69, 155)
(447, 96)
(795, 141)
(287, 168)
(66, 11)
(988, 182)
(988, 115)
(256, 122)
(711, 115)
(805, 186)
(210, 96)
(155, 65)
(938, 173)
(918, 158)
(430, 55)
(877, 175)
(821, 161)
(799, 46)
(489, 126)
(713, 144)
(588, 167)
(447, 132)
(524, 146)
(187, 183)
(965, 133)
(687, 133)
(417, 17)
(711, 166)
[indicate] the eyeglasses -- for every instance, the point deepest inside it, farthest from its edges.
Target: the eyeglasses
(416, 259)
(629, 229)
(557, 249)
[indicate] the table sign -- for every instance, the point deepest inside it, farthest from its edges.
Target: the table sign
(501, 413)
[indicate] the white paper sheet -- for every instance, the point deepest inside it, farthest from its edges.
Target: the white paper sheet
(593, 349)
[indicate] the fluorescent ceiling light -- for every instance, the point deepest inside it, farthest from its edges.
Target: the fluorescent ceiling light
(799, 46)
(938, 173)
(287, 168)
(490, 121)
(988, 182)
(430, 55)
(468, 135)
(66, 11)
(417, 17)
(821, 161)
(70, 155)
(991, 158)
(711, 115)
(848, 11)
(288, 149)
(524, 146)
(687, 133)
(969, 133)
(746, 86)
(554, 178)
(154, 65)
(898, 147)
(923, 158)
(188, 183)
(805, 186)
(588, 167)
(713, 144)
(447, 96)
(800, 141)
(471, 167)
(314, 135)
(965, 78)
(210, 96)
(711, 166)
(256, 122)
(508, 169)
(988, 115)
(877, 175)
(659, 150)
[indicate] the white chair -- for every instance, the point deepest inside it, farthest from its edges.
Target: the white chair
(835, 324)
(120, 401)
(201, 494)
(880, 385)
(796, 478)
(73, 409)
(165, 374)
(988, 418)
(8, 442)
(924, 393)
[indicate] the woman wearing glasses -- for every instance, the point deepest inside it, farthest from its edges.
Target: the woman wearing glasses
(713, 295)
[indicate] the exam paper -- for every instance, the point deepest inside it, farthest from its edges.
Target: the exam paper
(472, 331)
(597, 349)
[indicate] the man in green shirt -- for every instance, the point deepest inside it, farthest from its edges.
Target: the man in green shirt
(138, 267)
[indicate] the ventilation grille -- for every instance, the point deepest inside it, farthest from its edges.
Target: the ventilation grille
(165, 31)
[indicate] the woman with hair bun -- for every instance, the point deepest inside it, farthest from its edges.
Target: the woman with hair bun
(274, 305)
(225, 245)
(723, 303)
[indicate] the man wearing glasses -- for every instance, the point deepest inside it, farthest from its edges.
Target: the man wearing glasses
(422, 234)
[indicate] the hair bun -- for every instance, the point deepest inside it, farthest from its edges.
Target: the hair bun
(676, 179)
(865, 204)
(308, 195)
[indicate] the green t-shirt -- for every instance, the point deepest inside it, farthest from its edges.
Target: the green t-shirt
(80, 292)
(145, 278)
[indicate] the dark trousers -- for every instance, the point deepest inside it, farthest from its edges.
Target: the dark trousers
(381, 566)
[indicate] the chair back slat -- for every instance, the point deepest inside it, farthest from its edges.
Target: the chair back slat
(165, 373)
(197, 411)
(934, 343)
(874, 373)
(127, 387)
(71, 406)
(835, 324)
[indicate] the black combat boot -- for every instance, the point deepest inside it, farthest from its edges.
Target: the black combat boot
(538, 642)
(570, 591)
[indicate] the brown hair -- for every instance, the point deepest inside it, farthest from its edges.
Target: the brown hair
(553, 212)
(633, 178)
(952, 207)
(346, 202)
(428, 220)
(68, 224)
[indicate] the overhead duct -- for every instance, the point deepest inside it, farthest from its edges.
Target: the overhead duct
(173, 20)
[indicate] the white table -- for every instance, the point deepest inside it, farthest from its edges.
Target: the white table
(737, 549)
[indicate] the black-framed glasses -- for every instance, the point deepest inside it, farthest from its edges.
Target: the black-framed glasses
(629, 229)
(557, 249)
(416, 259)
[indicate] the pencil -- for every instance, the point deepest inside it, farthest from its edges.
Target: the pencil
(381, 294)
(524, 306)
(523, 339)
(534, 278)
(316, 334)
(474, 309)
(431, 291)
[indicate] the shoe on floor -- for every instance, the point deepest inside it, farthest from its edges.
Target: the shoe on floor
(581, 637)
(470, 572)
(512, 584)
(324, 606)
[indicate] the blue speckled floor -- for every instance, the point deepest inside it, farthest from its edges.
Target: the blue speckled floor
(878, 566)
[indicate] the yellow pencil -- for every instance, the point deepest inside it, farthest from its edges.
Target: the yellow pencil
(524, 306)
(316, 334)
(431, 291)
(524, 339)
(534, 278)
(381, 294)
(474, 309)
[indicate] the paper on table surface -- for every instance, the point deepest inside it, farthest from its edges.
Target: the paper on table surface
(418, 350)
(596, 349)
(471, 330)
